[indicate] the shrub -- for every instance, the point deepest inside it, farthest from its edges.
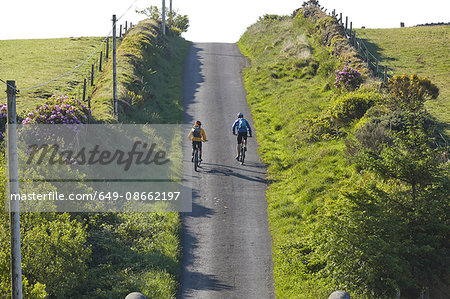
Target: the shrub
(3, 120)
(270, 18)
(353, 105)
(55, 254)
(320, 128)
(59, 110)
(410, 92)
(348, 78)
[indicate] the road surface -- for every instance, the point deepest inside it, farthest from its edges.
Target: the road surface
(227, 247)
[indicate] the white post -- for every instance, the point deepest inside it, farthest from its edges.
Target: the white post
(164, 17)
(114, 67)
(170, 6)
(14, 208)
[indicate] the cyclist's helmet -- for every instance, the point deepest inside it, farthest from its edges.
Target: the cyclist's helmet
(198, 123)
(239, 115)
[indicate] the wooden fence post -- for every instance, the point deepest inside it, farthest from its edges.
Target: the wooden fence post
(14, 206)
(100, 63)
(346, 24)
(120, 31)
(89, 107)
(351, 29)
(385, 73)
(92, 75)
(164, 17)
(340, 18)
(126, 26)
(377, 67)
(84, 89)
(368, 59)
(107, 48)
(114, 67)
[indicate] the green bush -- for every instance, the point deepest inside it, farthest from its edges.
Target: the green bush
(353, 105)
(270, 18)
(321, 128)
(409, 93)
(55, 254)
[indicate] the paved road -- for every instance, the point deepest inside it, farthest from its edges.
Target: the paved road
(227, 245)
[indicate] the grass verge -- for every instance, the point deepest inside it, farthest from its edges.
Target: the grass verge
(291, 93)
(149, 82)
(284, 89)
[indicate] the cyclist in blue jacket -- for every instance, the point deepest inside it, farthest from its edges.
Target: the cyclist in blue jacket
(242, 126)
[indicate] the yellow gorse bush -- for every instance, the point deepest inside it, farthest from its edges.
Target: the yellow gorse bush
(410, 92)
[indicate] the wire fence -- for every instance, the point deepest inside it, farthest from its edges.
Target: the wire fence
(98, 58)
(378, 70)
(373, 62)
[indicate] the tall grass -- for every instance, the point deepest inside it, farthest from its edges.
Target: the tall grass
(149, 82)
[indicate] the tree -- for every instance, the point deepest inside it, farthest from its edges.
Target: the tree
(311, 3)
(389, 231)
(176, 22)
(416, 181)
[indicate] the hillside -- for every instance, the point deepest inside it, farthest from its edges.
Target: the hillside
(342, 195)
(97, 255)
(420, 50)
(33, 62)
(148, 74)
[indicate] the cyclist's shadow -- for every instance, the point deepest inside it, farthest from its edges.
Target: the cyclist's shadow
(247, 172)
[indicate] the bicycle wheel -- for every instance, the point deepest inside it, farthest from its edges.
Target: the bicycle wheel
(242, 154)
(196, 160)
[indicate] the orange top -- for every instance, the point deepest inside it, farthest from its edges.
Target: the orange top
(202, 133)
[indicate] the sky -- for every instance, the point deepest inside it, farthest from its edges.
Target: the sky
(210, 20)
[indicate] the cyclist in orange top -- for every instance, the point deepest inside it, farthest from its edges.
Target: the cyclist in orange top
(197, 134)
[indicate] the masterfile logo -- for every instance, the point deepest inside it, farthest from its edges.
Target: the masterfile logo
(140, 153)
(101, 167)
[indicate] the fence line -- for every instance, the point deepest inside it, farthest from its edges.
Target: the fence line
(104, 50)
(373, 64)
(96, 65)
(66, 74)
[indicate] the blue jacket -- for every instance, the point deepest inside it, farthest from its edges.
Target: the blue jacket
(240, 130)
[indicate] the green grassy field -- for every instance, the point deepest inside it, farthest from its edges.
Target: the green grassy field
(420, 50)
(36, 61)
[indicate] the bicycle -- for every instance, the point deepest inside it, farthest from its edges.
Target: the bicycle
(242, 150)
(197, 160)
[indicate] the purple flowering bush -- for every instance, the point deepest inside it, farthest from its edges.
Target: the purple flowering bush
(4, 119)
(59, 110)
(348, 79)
